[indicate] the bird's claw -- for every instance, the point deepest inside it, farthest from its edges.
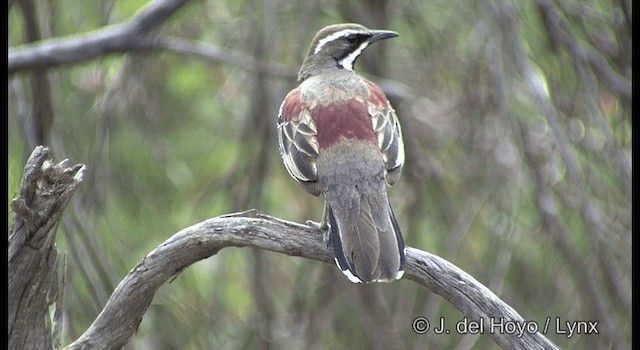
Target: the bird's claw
(326, 237)
(313, 224)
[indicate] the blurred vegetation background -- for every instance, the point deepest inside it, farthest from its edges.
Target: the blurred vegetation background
(517, 124)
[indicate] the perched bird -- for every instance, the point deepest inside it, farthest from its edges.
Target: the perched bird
(339, 137)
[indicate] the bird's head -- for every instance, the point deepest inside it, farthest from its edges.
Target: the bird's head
(338, 46)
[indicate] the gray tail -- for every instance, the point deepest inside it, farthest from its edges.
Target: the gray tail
(367, 242)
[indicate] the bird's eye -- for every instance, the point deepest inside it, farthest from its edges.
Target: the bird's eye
(352, 40)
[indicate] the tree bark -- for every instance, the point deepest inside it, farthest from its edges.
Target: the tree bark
(121, 316)
(33, 260)
(121, 37)
(33, 266)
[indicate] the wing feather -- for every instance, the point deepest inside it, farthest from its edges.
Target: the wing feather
(389, 135)
(297, 138)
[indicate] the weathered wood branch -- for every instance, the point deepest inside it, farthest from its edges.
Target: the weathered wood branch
(130, 35)
(125, 308)
(33, 284)
(137, 34)
(33, 259)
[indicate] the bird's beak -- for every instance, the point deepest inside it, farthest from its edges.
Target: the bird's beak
(381, 34)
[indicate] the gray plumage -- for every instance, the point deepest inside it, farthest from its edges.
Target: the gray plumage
(339, 136)
(352, 178)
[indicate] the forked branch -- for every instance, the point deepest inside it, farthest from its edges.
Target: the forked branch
(121, 316)
(46, 189)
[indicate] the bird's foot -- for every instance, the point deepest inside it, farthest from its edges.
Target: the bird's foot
(322, 226)
(313, 224)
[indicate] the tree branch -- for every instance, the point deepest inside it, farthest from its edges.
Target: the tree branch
(47, 188)
(32, 257)
(123, 313)
(115, 38)
(134, 35)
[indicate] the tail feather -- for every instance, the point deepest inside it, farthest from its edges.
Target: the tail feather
(340, 258)
(366, 239)
(399, 241)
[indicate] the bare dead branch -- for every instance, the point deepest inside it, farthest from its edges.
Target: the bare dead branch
(134, 35)
(123, 313)
(33, 259)
(117, 38)
(47, 188)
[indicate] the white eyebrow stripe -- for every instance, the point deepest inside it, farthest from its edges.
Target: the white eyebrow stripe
(336, 35)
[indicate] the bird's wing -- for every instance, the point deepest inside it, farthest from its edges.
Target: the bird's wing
(297, 138)
(388, 133)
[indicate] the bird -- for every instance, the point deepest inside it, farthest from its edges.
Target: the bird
(339, 137)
